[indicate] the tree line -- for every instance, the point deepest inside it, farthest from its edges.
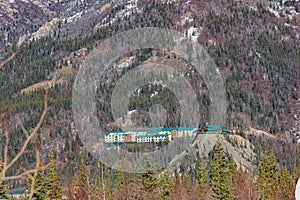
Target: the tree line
(217, 178)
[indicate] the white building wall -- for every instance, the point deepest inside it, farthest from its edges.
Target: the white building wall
(114, 137)
(120, 137)
(297, 192)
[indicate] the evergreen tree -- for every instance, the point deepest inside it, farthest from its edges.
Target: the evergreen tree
(149, 180)
(81, 187)
(240, 174)
(165, 188)
(98, 191)
(119, 181)
(203, 188)
(220, 174)
(296, 172)
(267, 181)
(107, 191)
(54, 189)
(40, 187)
(3, 194)
(286, 185)
(202, 176)
(233, 169)
(187, 182)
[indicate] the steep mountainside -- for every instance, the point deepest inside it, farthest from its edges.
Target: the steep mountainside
(255, 46)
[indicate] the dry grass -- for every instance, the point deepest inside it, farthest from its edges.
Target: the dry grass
(105, 7)
(259, 132)
(41, 85)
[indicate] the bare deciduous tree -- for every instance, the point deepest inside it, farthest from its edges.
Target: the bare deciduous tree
(30, 136)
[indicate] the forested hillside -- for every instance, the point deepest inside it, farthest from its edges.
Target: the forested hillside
(255, 46)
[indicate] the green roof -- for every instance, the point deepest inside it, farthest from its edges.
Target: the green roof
(22, 188)
(168, 129)
(116, 132)
(213, 127)
(17, 191)
(225, 131)
(186, 128)
(151, 130)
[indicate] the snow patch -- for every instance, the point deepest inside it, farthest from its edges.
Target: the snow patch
(131, 112)
(279, 9)
(129, 8)
(154, 94)
(275, 12)
(193, 33)
(254, 8)
(184, 20)
(289, 25)
(297, 192)
(74, 17)
(126, 63)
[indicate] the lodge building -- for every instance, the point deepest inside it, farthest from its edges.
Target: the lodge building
(159, 134)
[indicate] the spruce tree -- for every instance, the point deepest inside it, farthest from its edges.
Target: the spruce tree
(81, 186)
(149, 180)
(3, 194)
(187, 182)
(296, 172)
(119, 181)
(165, 188)
(220, 174)
(98, 191)
(267, 181)
(40, 187)
(286, 184)
(233, 169)
(172, 183)
(240, 177)
(107, 184)
(203, 188)
(54, 189)
(202, 176)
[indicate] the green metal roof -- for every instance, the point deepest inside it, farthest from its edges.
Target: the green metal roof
(213, 127)
(169, 129)
(116, 132)
(151, 130)
(17, 191)
(225, 131)
(22, 188)
(186, 128)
